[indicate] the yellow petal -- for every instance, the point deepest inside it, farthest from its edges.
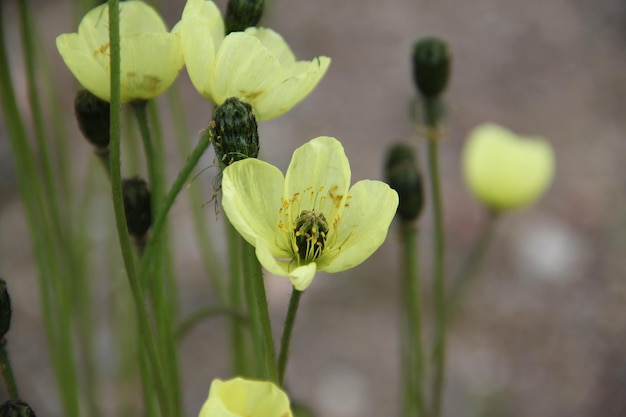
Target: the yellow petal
(274, 43)
(244, 68)
(363, 226)
(506, 171)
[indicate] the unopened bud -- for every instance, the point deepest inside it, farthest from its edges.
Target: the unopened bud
(93, 115)
(16, 408)
(403, 175)
(431, 66)
(241, 14)
(5, 309)
(234, 131)
(137, 206)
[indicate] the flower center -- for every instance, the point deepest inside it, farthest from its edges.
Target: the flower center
(310, 231)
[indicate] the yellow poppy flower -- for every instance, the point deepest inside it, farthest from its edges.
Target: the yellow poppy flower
(151, 57)
(256, 65)
(240, 397)
(506, 171)
(311, 219)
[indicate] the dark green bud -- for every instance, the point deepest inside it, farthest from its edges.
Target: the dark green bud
(403, 175)
(241, 14)
(234, 132)
(93, 115)
(16, 408)
(5, 309)
(137, 206)
(431, 66)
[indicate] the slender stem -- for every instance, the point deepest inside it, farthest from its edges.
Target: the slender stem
(285, 340)
(187, 324)
(7, 371)
(431, 108)
(412, 329)
(237, 346)
(164, 208)
(254, 279)
(145, 330)
(471, 265)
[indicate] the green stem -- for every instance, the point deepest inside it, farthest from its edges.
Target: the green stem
(254, 280)
(285, 340)
(431, 108)
(471, 265)
(206, 313)
(413, 357)
(145, 330)
(7, 372)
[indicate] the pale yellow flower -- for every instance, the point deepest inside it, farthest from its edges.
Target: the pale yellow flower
(240, 397)
(311, 219)
(256, 66)
(506, 171)
(151, 57)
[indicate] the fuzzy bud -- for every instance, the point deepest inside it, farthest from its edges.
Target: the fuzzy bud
(16, 408)
(234, 131)
(5, 309)
(137, 206)
(404, 176)
(431, 66)
(241, 14)
(93, 116)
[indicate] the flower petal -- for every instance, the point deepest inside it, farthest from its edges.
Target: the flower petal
(274, 43)
(302, 79)
(300, 276)
(138, 17)
(321, 162)
(251, 196)
(244, 68)
(363, 227)
(202, 31)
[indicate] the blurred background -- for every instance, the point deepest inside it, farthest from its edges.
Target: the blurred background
(542, 330)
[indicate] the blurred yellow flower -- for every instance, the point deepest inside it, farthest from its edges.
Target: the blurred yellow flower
(256, 65)
(151, 57)
(310, 219)
(505, 171)
(240, 397)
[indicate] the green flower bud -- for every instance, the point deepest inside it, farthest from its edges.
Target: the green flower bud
(5, 309)
(234, 131)
(310, 229)
(137, 206)
(403, 175)
(431, 66)
(241, 14)
(93, 115)
(16, 408)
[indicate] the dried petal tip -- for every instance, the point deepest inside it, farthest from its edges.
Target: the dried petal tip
(137, 206)
(234, 132)
(5, 309)
(431, 66)
(16, 408)
(241, 14)
(93, 116)
(404, 176)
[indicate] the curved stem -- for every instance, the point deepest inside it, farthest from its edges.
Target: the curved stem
(186, 325)
(431, 108)
(285, 340)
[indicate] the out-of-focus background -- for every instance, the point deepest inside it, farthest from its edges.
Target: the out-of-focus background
(542, 331)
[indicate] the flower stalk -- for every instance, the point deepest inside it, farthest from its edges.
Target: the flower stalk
(285, 340)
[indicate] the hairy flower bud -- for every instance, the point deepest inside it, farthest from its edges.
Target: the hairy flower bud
(234, 131)
(404, 176)
(93, 116)
(137, 206)
(5, 309)
(241, 14)
(16, 408)
(431, 66)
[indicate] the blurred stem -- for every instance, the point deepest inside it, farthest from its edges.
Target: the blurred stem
(431, 112)
(206, 313)
(257, 302)
(471, 264)
(145, 331)
(7, 372)
(412, 348)
(285, 340)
